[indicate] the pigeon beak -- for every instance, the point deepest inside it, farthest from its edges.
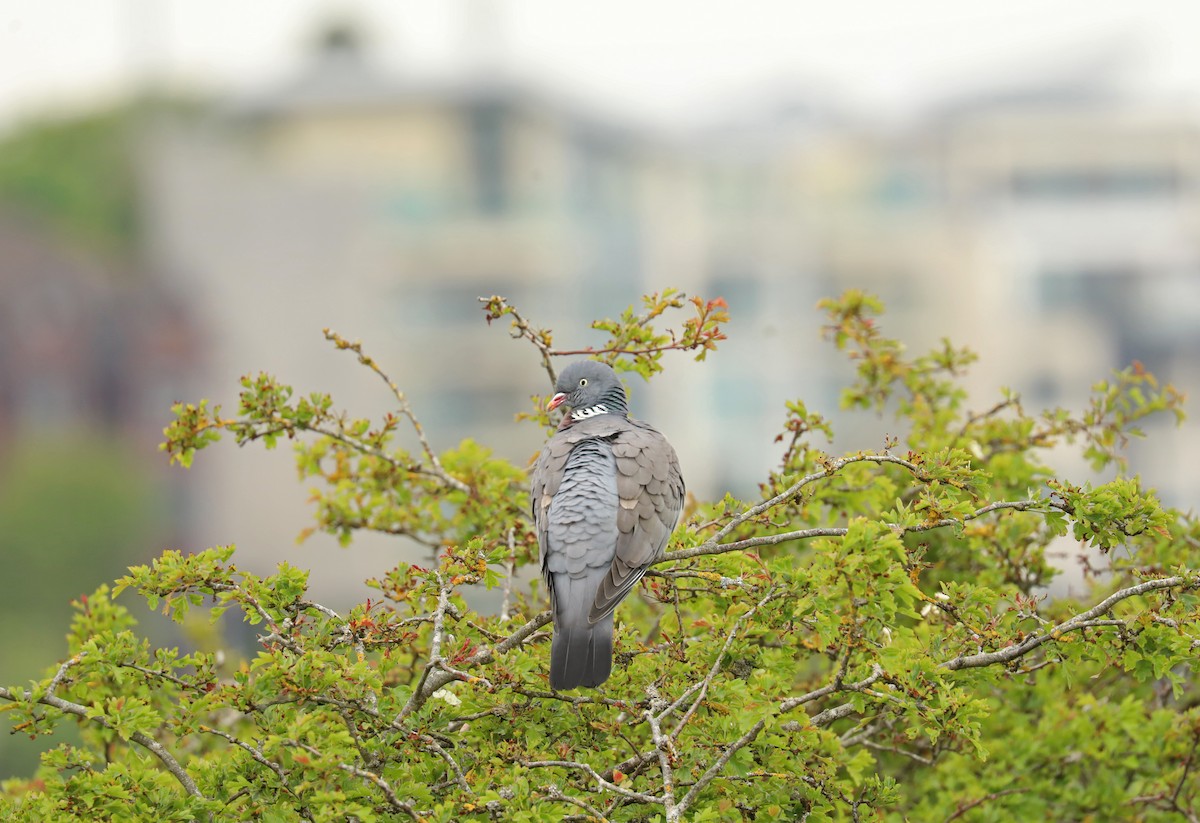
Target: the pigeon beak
(556, 401)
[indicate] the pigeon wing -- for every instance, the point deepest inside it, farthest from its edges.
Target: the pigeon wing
(650, 493)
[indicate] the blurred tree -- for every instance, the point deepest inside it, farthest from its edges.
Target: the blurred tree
(73, 510)
(77, 175)
(867, 639)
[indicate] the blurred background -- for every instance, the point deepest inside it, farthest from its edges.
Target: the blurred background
(191, 189)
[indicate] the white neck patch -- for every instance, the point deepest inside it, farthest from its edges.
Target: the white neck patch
(583, 414)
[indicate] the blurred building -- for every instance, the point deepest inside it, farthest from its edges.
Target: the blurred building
(1097, 202)
(1090, 206)
(1054, 229)
(85, 347)
(1054, 233)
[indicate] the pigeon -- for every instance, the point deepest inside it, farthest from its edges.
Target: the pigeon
(606, 493)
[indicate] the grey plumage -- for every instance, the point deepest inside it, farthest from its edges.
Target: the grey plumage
(606, 494)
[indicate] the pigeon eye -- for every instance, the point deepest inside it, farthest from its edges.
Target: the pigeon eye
(583, 381)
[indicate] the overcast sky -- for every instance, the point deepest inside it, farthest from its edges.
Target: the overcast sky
(653, 60)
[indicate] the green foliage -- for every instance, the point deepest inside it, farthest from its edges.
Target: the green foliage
(633, 345)
(76, 175)
(74, 509)
(867, 639)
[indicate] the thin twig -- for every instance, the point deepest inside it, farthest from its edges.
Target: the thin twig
(153, 746)
(665, 750)
(510, 572)
(253, 751)
(919, 758)
(714, 546)
(1079, 621)
(420, 694)
(538, 337)
(641, 797)
(980, 801)
(702, 687)
(715, 769)
(395, 802)
(1187, 767)
(554, 793)
(459, 777)
(405, 409)
(66, 666)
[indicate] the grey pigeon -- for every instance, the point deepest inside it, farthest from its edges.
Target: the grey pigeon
(606, 494)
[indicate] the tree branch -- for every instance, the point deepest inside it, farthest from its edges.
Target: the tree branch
(715, 769)
(664, 748)
(702, 686)
(145, 741)
(714, 545)
(405, 408)
(420, 693)
(641, 797)
(556, 794)
(496, 307)
(980, 801)
(395, 802)
(1079, 621)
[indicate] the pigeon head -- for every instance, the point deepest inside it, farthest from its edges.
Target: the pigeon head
(589, 388)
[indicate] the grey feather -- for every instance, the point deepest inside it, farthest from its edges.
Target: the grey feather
(606, 493)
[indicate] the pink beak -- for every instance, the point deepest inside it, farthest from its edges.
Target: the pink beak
(556, 401)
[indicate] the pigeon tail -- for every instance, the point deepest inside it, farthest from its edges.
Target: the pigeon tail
(581, 652)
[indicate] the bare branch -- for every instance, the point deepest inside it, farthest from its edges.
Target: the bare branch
(254, 752)
(510, 572)
(459, 777)
(714, 546)
(665, 749)
(1187, 767)
(421, 693)
(405, 408)
(836, 686)
(829, 715)
(67, 665)
(556, 794)
(573, 699)
(522, 328)
(395, 802)
(702, 686)
(641, 797)
(979, 802)
(1079, 621)
(919, 758)
(437, 675)
(715, 769)
(153, 746)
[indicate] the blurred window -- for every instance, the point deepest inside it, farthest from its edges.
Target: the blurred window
(487, 123)
(734, 190)
(737, 396)
(1095, 183)
(413, 205)
(462, 408)
(1102, 290)
(600, 184)
(442, 306)
(902, 189)
(741, 290)
(1045, 389)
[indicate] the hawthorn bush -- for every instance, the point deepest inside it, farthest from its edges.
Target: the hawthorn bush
(865, 640)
